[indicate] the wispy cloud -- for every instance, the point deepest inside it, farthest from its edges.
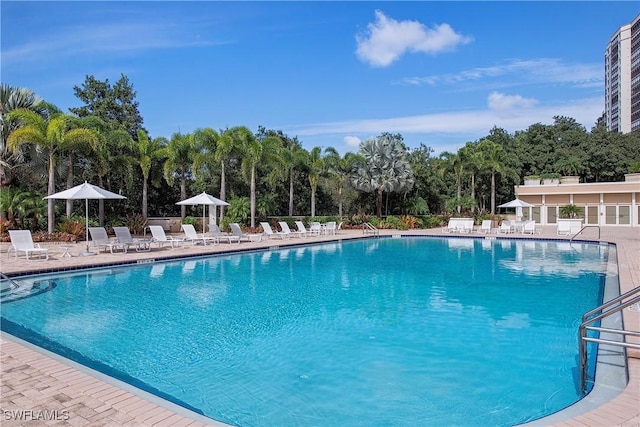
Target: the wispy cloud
(542, 70)
(510, 112)
(102, 39)
(386, 40)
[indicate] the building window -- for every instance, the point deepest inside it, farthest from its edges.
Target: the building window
(552, 214)
(592, 215)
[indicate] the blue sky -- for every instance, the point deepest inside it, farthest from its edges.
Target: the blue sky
(330, 73)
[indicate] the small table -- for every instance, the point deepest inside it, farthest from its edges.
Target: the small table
(65, 251)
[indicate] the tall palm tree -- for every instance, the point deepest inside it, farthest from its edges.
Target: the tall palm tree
(453, 162)
(292, 157)
(145, 153)
(224, 148)
(13, 98)
(50, 135)
(492, 160)
(253, 152)
(339, 168)
(385, 167)
(317, 168)
(179, 160)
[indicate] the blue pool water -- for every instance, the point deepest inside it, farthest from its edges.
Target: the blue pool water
(407, 331)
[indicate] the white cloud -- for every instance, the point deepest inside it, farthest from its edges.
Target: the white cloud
(473, 124)
(500, 101)
(101, 39)
(386, 40)
(542, 70)
(352, 141)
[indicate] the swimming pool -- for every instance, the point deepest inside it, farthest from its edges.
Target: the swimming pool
(373, 332)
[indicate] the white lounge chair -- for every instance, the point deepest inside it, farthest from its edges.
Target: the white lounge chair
(22, 241)
(192, 236)
(452, 226)
(302, 230)
(123, 235)
(270, 233)
(161, 238)
(330, 228)
(315, 228)
(529, 227)
(100, 240)
(465, 225)
(217, 234)
(564, 228)
(505, 227)
(237, 231)
(287, 230)
(485, 227)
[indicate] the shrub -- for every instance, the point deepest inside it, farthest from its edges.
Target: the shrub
(136, 223)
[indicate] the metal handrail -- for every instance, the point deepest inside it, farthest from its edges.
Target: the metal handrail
(605, 310)
(367, 227)
(584, 228)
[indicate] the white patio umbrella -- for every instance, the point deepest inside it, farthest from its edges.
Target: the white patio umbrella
(205, 200)
(518, 204)
(85, 191)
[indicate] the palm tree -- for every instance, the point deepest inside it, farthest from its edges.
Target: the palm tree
(50, 135)
(13, 98)
(492, 160)
(179, 159)
(453, 162)
(292, 156)
(224, 149)
(146, 152)
(385, 167)
(339, 169)
(317, 168)
(253, 152)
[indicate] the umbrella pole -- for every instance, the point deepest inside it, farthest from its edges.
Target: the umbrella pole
(86, 231)
(204, 209)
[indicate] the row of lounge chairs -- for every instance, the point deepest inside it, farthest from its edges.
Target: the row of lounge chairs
(22, 241)
(464, 225)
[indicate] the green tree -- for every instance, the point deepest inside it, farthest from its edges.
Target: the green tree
(50, 135)
(452, 162)
(316, 168)
(254, 151)
(492, 161)
(384, 167)
(292, 157)
(147, 152)
(115, 105)
(178, 155)
(339, 168)
(13, 98)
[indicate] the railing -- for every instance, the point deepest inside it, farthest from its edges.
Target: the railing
(615, 305)
(368, 228)
(584, 228)
(12, 284)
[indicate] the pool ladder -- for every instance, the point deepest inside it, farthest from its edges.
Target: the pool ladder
(368, 228)
(584, 228)
(613, 306)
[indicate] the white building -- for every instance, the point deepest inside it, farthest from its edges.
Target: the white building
(622, 79)
(600, 203)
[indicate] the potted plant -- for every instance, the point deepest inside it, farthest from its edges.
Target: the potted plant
(532, 180)
(570, 211)
(570, 215)
(550, 178)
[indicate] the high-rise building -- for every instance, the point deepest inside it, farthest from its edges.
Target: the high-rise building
(622, 79)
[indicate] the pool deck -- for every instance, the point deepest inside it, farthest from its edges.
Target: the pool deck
(40, 388)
